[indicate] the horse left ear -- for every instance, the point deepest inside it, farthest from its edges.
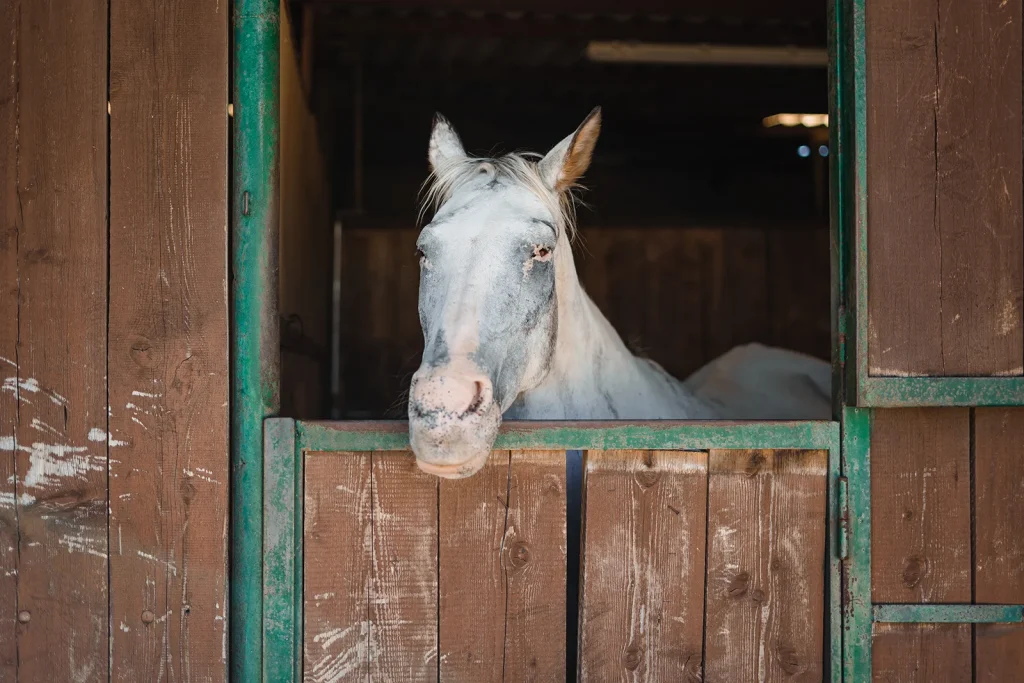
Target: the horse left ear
(568, 160)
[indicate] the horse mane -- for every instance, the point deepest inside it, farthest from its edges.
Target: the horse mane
(519, 167)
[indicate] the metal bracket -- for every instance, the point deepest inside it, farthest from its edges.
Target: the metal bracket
(842, 490)
(948, 614)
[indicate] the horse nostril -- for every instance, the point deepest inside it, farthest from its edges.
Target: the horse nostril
(478, 398)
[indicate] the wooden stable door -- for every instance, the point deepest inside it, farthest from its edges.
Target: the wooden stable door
(693, 564)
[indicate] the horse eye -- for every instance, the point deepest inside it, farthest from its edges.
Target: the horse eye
(541, 253)
(420, 255)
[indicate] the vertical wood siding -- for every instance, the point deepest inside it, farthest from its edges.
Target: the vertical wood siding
(945, 230)
(168, 361)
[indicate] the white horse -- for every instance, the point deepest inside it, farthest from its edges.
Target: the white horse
(508, 329)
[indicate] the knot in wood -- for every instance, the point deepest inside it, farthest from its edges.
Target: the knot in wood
(788, 659)
(738, 585)
(142, 353)
(148, 617)
(24, 616)
(632, 656)
(757, 595)
(519, 554)
(754, 464)
(914, 569)
(646, 478)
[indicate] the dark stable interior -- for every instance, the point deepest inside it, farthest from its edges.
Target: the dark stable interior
(704, 228)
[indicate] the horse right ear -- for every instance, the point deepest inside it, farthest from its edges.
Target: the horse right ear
(445, 145)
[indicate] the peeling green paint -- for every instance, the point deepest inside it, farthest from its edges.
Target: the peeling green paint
(282, 559)
(856, 469)
(949, 614)
(556, 435)
(254, 359)
(898, 392)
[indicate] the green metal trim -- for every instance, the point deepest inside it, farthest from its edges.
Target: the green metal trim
(282, 542)
(857, 79)
(898, 392)
(255, 354)
(857, 567)
(949, 614)
(570, 436)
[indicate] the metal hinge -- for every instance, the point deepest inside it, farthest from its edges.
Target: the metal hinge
(844, 518)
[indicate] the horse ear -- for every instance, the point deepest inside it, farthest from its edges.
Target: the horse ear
(445, 145)
(569, 159)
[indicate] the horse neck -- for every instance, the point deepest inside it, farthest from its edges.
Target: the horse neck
(592, 374)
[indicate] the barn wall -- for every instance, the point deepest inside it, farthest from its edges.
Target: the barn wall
(113, 341)
(948, 494)
(680, 296)
(306, 238)
(945, 230)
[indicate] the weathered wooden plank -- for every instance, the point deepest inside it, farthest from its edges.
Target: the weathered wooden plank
(9, 229)
(642, 601)
(945, 245)
(979, 192)
(999, 546)
(337, 532)
(921, 653)
(403, 582)
(765, 565)
(921, 536)
(921, 501)
(471, 580)
(534, 561)
(904, 251)
(168, 322)
(60, 381)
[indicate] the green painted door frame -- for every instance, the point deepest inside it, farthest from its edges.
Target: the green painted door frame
(267, 453)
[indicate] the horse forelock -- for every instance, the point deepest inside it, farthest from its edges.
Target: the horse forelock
(519, 167)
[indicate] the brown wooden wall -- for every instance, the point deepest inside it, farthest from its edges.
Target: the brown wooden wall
(696, 566)
(945, 231)
(679, 296)
(948, 497)
(113, 341)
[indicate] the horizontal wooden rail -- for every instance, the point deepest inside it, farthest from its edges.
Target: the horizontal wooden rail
(949, 614)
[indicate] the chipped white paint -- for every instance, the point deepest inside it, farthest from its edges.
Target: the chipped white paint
(124, 627)
(49, 463)
(31, 385)
(9, 362)
(1008, 320)
(331, 668)
(200, 473)
(99, 435)
(146, 394)
(323, 596)
(77, 543)
(7, 443)
(154, 558)
(7, 500)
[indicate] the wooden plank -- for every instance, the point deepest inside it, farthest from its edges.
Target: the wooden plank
(921, 501)
(168, 323)
(642, 602)
(921, 653)
(921, 535)
(904, 253)
(533, 554)
(765, 565)
(979, 191)
(60, 380)
(945, 245)
(403, 583)
(800, 297)
(738, 291)
(336, 567)
(999, 546)
(9, 229)
(471, 579)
